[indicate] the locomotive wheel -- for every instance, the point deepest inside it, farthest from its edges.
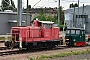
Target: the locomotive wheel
(7, 44)
(20, 49)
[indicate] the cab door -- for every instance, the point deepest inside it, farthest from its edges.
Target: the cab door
(47, 31)
(82, 36)
(72, 37)
(78, 35)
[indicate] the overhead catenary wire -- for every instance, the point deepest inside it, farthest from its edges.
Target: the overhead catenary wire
(71, 1)
(36, 3)
(75, 1)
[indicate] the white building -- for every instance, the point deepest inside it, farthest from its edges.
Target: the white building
(78, 17)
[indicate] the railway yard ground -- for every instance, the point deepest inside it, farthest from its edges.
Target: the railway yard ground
(66, 53)
(71, 53)
(2, 44)
(51, 54)
(74, 57)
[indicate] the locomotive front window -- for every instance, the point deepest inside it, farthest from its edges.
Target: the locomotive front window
(77, 31)
(67, 31)
(72, 31)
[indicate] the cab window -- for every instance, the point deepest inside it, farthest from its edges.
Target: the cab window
(67, 31)
(77, 31)
(72, 31)
(48, 26)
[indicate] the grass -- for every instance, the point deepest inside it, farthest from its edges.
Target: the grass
(31, 59)
(43, 57)
(3, 38)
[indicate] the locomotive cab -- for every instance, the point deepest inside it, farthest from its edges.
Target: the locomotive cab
(44, 24)
(75, 37)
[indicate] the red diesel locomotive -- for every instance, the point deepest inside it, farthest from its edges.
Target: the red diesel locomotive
(42, 34)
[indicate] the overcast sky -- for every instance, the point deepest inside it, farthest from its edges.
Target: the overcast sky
(52, 3)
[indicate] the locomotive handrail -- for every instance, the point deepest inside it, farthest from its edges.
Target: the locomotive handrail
(6, 36)
(27, 33)
(15, 35)
(20, 41)
(41, 34)
(26, 36)
(52, 33)
(20, 38)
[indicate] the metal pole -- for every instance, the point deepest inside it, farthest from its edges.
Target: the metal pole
(78, 14)
(27, 13)
(27, 3)
(74, 21)
(58, 12)
(19, 12)
(83, 17)
(78, 7)
(20, 20)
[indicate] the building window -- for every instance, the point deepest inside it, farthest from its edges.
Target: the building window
(81, 16)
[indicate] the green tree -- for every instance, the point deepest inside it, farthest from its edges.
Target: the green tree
(76, 5)
(29, 6)
(61, 15)
(55, 19)
(7, 5)
(12, 3)
(49, 18)
(73, 5)
(41, 12)
(45, 17)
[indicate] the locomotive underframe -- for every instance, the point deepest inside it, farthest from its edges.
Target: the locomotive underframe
(36, 45)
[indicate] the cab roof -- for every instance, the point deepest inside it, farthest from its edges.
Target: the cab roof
(46, 22)
(75, 29)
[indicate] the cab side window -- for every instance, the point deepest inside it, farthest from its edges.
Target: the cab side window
(48, 26)
(77, 31)
(72, 31)
(67, 31)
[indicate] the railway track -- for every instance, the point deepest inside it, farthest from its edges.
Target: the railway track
(2, 41)
(9, 52)
(17, 51)
(3, 48)
(5, 51)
